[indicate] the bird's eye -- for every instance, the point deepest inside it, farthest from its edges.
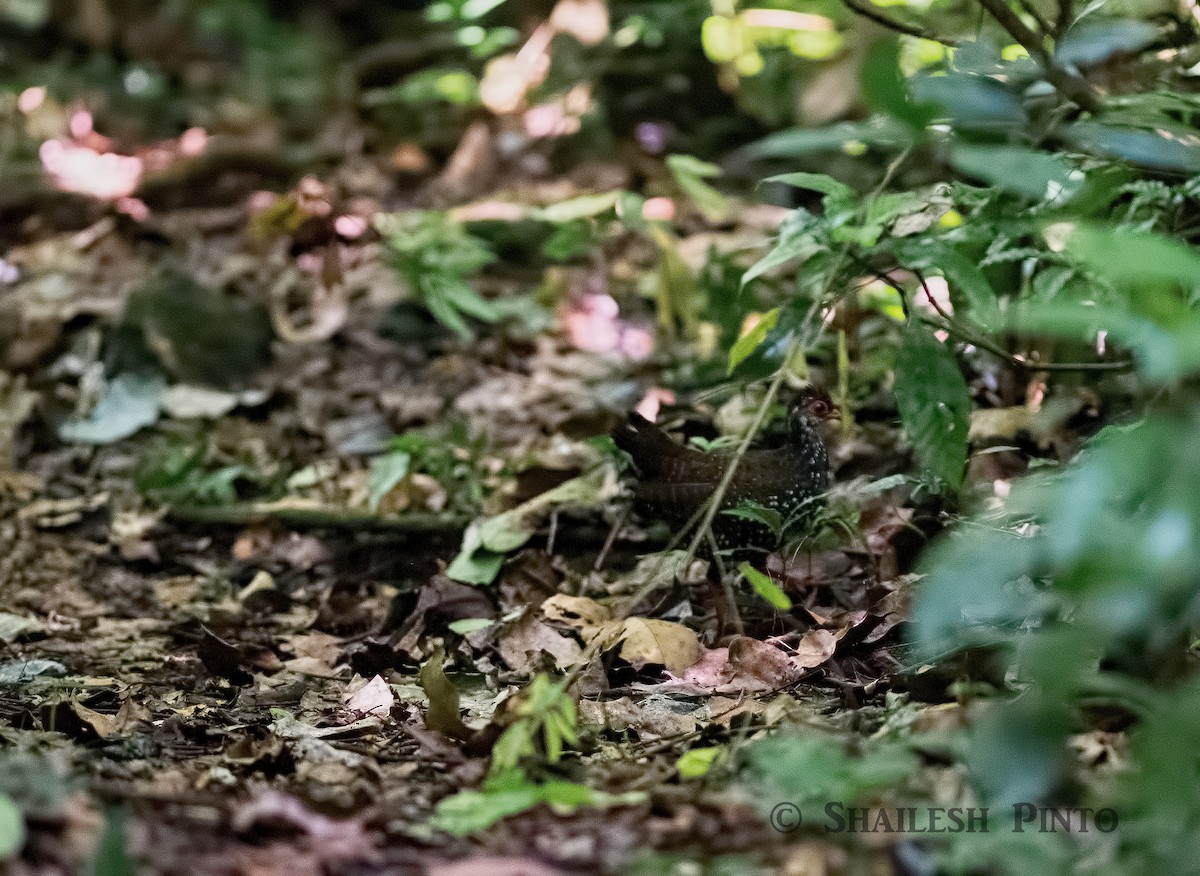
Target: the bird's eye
(819, 408)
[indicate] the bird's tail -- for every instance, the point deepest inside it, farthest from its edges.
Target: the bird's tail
(649, 445)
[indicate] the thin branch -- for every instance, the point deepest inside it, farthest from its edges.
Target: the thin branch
(867, 10)
(1042, 22)
(969, 337)
(1070, 85)
(955, 328)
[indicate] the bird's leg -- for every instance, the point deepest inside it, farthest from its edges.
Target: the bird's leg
(726, 602)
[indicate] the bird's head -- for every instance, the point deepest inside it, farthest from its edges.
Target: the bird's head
(812, 407)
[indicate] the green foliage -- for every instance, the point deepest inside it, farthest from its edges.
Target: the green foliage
(690, 173)
(112, 852)
(698, 762)
(430, 86)
(814, 770)
(934, 403)
(1082, 584)
(131, 401)
(449, 456)
(750, 341)
(181, 474)
(766, 588)
(436, 256)
(487, 541)
(510, 793)
(12, 828)
(545, 724)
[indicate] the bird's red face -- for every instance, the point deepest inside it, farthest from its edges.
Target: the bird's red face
(821, 407)
(812, 409)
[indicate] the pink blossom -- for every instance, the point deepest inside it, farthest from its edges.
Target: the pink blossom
(662, 209)
(76, 168)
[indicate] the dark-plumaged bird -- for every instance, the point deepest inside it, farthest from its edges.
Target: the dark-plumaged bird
(676, 480)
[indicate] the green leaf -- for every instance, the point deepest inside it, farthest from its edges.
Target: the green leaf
(486, 542)
(131, 401)
(934, 402)
(696, 762)
(765, 587)
(569, 240)
(970, 103)
(885, 89)
(817, 182)
(26, 669)
(1037, 175)
(797, 239)
(1161, 148)
(583, 207)
(748, 510)
(1159, 353)
(444, 311)
(470, 625)
(442, 715)
(878, 131)
(469, 811)
(690, 173)
(961, 272)
(463, 298)
(386, 471)
(477, 567)
(1129, 257)
(815, 769)
(1094, 40)
(112, 853)
(12, 828)
(509, 793)
(749, 342)
(966, 591)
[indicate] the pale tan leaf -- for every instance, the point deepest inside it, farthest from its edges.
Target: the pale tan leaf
(645, 640)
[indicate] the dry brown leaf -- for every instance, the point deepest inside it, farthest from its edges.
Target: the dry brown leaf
(374, 697)
(644, 641)
(814, 648)
(763, 661)
(577, 612)
(522, 644)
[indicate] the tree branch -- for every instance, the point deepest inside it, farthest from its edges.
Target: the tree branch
(1066, 14)
(1070, 85)
(869, 11)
